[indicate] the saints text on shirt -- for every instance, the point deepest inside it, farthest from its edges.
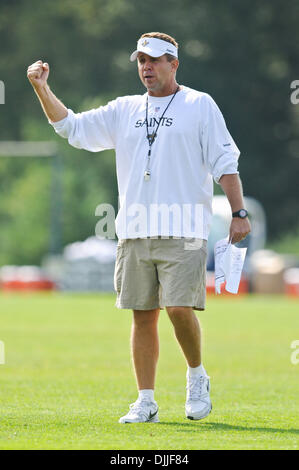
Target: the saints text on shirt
(152, 122)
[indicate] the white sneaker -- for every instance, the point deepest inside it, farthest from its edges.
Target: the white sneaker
(142, 411)
(198, 403)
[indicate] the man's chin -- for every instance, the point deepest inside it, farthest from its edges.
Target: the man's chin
(152, 87)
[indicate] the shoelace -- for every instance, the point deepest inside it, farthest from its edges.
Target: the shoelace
(138, 407)
(195, 388)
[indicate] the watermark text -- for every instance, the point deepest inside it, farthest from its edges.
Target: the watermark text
(295, 94)
(295, 354)
(139, 221)
(2, 92)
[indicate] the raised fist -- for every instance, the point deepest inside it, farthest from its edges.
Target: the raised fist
(38, 73)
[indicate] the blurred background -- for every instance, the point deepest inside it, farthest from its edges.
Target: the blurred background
(244, 54)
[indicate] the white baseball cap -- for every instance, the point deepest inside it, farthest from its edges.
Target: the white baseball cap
(154, 47)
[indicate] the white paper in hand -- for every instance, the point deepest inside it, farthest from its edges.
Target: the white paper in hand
(219, 250)
(229, 261)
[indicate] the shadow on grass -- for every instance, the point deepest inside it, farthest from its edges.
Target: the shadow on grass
(225, 427)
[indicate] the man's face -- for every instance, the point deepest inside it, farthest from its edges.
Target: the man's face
(156, 73)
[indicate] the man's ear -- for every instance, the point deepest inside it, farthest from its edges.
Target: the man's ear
(175, 64)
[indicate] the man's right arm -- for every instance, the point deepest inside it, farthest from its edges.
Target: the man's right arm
(37, 74)
(92, 130)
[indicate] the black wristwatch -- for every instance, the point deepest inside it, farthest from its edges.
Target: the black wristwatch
(242, 213)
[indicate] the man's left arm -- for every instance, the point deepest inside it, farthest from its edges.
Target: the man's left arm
(232, 186)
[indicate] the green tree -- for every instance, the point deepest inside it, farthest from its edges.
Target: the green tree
(245, 54)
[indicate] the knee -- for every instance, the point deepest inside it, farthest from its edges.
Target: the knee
(178, 311)
(145, 318)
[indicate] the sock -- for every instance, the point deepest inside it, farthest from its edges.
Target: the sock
(199, 370)
(147, 394)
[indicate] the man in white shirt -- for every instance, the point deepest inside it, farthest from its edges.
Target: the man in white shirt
(170, 143)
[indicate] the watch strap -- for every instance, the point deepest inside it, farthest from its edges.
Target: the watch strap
(242, 213)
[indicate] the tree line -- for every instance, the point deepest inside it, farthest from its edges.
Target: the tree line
(244, 54)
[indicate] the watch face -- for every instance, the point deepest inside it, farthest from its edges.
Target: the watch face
(243, 213)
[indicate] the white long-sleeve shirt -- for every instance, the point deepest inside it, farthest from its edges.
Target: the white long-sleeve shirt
(192, 147)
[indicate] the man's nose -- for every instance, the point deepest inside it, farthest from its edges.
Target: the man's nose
(147, 65)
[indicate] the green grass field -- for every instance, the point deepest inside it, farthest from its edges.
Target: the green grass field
(68, 376)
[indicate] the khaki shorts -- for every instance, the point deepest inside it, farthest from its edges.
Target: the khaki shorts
(160, 272)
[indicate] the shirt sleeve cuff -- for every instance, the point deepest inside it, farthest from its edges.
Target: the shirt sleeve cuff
(65, 125)
(230, 168)
(59, 124)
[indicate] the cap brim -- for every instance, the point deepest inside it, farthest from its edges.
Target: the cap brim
(145, 50)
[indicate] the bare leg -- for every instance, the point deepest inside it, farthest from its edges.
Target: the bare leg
(187, 332)
(145, 347)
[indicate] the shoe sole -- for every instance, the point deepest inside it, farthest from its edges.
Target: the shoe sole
(154, 419)
(197, 418)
